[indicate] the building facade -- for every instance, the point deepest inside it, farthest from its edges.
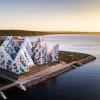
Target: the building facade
(19, 57)
(40, 55)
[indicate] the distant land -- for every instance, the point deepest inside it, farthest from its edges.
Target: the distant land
(30, 33)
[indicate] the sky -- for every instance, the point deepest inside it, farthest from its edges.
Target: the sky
(50, 15)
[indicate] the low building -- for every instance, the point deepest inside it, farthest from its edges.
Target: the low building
(53, 53)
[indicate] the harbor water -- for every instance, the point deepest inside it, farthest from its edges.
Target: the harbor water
(82, 83)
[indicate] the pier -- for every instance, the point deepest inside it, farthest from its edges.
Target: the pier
(26, 81)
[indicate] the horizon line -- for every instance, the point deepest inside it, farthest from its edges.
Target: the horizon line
(50, 31)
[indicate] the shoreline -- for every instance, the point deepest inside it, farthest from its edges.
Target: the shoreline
(39, 33)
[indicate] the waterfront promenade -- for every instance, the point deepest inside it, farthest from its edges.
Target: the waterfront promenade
(35, 78)
(44, 74)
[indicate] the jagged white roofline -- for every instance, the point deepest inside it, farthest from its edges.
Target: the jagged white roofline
(22, 50)
(51, 48)
(2, 49)
(28, 45)
(6, 41)
(6, 54)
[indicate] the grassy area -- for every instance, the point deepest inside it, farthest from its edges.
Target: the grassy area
(30, 33)
(71, 56)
